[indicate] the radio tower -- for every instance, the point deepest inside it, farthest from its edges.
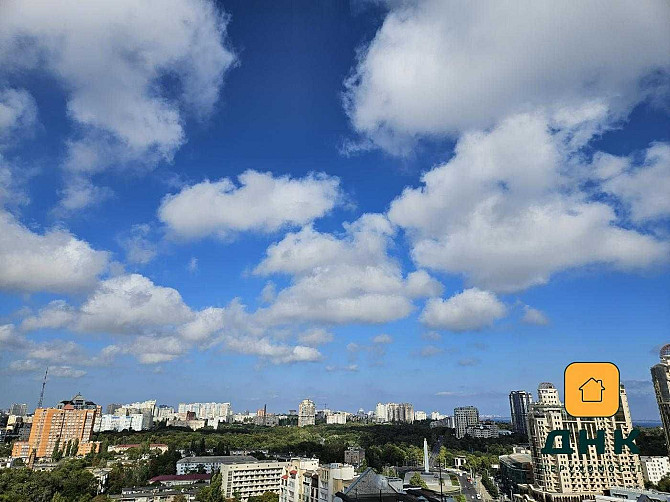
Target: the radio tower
(44, 383)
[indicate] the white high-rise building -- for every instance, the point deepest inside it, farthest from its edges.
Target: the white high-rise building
(570, 477)
(306, 413)
(420, 415)
(132, 422)
(208, 410)
(381, 413)
(655, 468)
(339, 418)
(464, 417)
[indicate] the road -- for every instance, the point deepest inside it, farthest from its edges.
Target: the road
(467, 488)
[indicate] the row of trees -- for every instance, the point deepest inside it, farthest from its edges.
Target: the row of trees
(69, 481)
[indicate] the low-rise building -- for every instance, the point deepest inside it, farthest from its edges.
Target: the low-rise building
(483, 430)
(334, 478)
(339, 417)
(654, 468)
(515, 469)
(354, 455)
(131, 422)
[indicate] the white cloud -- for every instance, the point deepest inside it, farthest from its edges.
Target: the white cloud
(471, 310)
(261, 203)
(112, 59)
(508, 210)
(644, 189)
(315, 336)
(382, 339)
(157, 349)
(55, 261)
(342, 278)
(274, 353)
(436, 68)
(534, 316)
(131, 304)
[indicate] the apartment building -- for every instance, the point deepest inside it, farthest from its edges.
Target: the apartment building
(306, 413)
(208, 410)
(655, 468)
(250, 477)
(133, 422)
(464, 417)
(519, 402)
(296, 480)
(574, 477)
(70, 422)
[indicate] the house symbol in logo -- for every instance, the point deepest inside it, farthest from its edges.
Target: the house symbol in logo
(592, 391)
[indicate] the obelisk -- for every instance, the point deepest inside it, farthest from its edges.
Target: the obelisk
(426, 467)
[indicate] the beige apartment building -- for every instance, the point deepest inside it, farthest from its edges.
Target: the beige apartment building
(306, 413)
(250, 477)
(575, 477)
(71, 422)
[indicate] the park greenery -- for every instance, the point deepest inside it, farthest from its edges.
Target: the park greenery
(387, 447)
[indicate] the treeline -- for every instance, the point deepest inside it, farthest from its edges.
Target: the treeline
(70, 481)
(385, 444)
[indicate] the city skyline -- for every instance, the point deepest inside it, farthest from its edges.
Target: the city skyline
(317, 201)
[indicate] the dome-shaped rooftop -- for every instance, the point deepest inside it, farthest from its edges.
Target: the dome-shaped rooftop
(665, 351)
(546, 385)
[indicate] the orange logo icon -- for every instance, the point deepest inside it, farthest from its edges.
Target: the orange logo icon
(592, 389)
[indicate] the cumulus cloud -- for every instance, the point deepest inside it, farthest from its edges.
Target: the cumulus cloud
(534, 316)
(113, 60)
(260, 203)
(508, 210)
(131, 303)
(470, 310)
(55, 261)
(342, 278)
(437, 68)
(272, 352)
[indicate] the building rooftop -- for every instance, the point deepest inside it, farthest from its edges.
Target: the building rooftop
(179, 477)
(225, 459)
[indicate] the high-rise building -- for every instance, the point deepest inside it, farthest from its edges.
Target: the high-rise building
(660, 375)
(18, 409)
(306, 413)
(519, 402)
(208, 410)
(400, 412)
(464, 417)
(70, 422)
(577, 476)
(381, 413)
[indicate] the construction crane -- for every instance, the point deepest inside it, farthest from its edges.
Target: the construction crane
(44, 383)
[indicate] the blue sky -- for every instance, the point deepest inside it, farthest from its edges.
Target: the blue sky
(353, 202)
